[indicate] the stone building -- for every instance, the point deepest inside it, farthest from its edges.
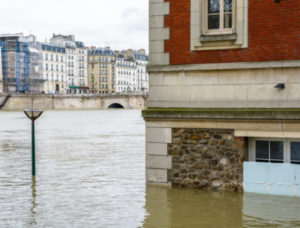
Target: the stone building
(223, 107)
(141, 60)
(21, 64)
(54, 69)
(101, 70)
(76, 62)
(126, 78)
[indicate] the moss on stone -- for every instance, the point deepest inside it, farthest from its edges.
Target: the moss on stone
(249, 113)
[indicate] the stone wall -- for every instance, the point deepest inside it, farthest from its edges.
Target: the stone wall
(214, 86)
(88, 101)
(207, 159)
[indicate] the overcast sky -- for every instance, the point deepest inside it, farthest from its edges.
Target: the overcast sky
(120, 24)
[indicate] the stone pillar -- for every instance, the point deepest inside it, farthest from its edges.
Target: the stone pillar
(157, 159)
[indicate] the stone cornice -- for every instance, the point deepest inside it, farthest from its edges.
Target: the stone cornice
(223, 113)
(224, 66)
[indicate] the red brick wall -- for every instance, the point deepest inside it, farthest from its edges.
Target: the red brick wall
(274, 34)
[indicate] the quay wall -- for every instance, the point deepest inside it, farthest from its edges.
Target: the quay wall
(46, 102)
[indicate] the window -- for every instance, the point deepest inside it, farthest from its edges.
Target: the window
(220, 16)
(269, 151)
(274, 150)
(295, 152)
(218, 24)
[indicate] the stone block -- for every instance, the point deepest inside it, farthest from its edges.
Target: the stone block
(156, 46)
(159, 58)
(156, 149)
(159, 8)
(167, 104)
(191, 78)
(157, 175)
(156, 21)
(219, 93)
(169, 93)
(158, 135)
(159, 34)
(158, 162)
(156, 79)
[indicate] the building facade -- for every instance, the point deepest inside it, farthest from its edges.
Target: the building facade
(141, 60)
(223, 110)
(21, 64)
(76, 63)
(54, 69)
(101, 70)
(126, 78)
(131, 73)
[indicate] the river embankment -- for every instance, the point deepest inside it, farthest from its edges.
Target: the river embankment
(73, 101)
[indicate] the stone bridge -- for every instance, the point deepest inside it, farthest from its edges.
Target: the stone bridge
(88, 101)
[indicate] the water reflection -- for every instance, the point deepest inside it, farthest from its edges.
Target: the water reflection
(169, 207)
(271, 211)
(32, 220)
(190, 208)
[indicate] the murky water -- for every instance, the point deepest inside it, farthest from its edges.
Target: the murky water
(90, 173)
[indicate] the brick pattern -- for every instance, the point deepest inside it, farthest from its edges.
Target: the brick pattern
(274, 34)
(207, 159)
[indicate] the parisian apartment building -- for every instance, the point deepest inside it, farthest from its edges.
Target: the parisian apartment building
(22, 66)
(101, 70)
(76, 63)
(54, 69)
(131, 74)
(117, 71)
(141, 60)
(126, 81)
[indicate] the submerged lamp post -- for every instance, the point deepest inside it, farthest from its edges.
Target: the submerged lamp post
(33, 114)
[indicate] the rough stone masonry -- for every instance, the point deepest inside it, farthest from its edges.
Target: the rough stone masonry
(207, 159)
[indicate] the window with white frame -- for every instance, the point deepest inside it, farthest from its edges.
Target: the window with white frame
(218, 24)
(274, 150)
(219, 16)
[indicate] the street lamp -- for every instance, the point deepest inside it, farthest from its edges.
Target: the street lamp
(33, 114)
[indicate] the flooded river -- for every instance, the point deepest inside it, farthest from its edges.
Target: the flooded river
(91, 173)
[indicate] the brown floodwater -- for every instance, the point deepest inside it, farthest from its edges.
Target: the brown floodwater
(91, 173)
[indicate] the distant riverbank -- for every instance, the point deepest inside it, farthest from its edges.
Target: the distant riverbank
(71, 101)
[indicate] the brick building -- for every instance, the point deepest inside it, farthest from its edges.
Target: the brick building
(223, 108)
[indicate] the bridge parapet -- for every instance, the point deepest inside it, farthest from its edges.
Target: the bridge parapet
(85, 101)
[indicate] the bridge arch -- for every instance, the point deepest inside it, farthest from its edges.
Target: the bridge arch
(115, 105)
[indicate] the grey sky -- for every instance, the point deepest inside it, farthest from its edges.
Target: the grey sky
(120, 24)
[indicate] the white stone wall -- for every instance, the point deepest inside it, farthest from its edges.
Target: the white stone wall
(157, 33)
(45, 102)
(157, 160)
(126, 78)
(234, 85)
(71, 64)
(82, 66)
(51, 75)
(142, 76)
